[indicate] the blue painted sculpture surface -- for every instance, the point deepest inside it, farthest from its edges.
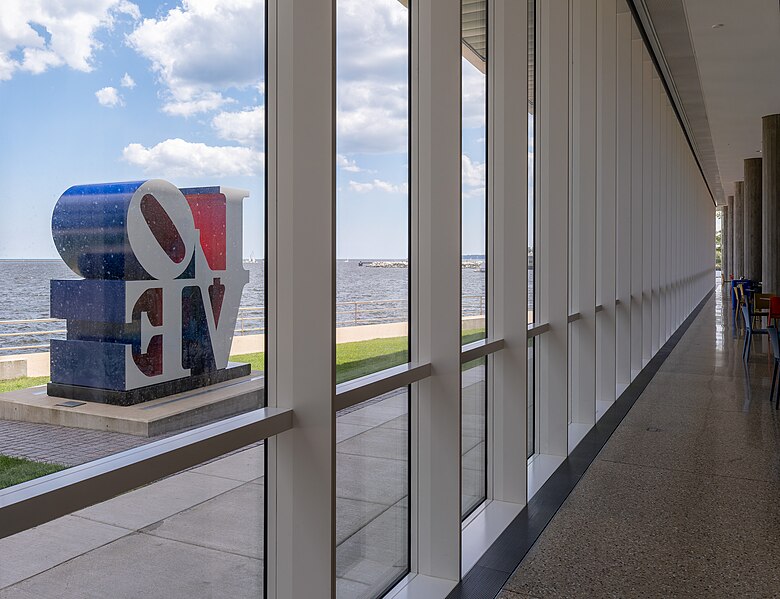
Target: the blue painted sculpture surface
(163, 278)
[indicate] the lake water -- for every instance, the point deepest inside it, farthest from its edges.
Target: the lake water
(24, 294)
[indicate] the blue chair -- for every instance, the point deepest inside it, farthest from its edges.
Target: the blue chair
(749, 332)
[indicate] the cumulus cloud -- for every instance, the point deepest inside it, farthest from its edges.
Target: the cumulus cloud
(473, 96)
(204, 102)
(127, 81)
(180, 158)
(372, 89)
(372, 117)
(348, 165)
(201, 49)
(36, 35)
(245, 127)
(472, 173)
(109, 97)
(377, 185)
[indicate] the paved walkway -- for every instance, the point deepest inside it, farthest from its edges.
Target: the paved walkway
(62, 445)
(684, 499)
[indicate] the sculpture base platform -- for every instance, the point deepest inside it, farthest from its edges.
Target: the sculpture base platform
(156, 417)
(144, 394)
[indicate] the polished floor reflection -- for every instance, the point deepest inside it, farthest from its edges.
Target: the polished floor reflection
(684, 499)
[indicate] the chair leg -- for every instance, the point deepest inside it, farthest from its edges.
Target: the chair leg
(774, 380)
(746, 346)
(777, 398)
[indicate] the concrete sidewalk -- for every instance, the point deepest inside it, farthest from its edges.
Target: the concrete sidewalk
(200, 533)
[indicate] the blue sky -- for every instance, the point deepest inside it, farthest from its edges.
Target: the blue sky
(111, 90)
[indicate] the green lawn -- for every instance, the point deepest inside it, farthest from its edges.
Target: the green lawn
(360, 358)
(22, 383)
(18, 470)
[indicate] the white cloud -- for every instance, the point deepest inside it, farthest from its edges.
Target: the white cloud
(473, 96)
(377, 185)
(180, 158)
(472, 173)
(204, 102)
(201, 48)
(127, 81)
(372, 54)
(348, 165)
(245, 127)
(372, 117)
(109, 97)
(36, 35)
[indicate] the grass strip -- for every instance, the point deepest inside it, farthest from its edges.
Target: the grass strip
(22, 383)
(14, 471)
(360, 358)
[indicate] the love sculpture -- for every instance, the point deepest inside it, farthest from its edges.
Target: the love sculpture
(162, 281)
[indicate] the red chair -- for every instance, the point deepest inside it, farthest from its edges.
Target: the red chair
(774, 310)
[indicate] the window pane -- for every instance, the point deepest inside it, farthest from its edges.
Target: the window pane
(372, 197)
(372, 495)
(473, 435)
(167, 98)
(198, 533)
(474, 158)
(532, 299)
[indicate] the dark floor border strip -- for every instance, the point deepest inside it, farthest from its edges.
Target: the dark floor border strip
(486, 579)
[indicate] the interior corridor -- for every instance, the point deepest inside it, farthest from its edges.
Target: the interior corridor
(684, 499)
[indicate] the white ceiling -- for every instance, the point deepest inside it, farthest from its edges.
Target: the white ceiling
(739, 73)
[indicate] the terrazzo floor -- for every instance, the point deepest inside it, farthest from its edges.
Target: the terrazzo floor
(684, 499)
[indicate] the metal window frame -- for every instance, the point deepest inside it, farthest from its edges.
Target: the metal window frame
(44, 499)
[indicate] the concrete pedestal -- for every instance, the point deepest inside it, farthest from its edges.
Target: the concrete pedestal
(771, 203)
(156, 417)
(752, 222)
(739, 232)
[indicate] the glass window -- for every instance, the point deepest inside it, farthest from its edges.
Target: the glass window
(132, 258)
(192, 534)
(372, 495)
(532, 299)
(474, 248)
(372, 197)
(473, 435)
(474, 159)
(372, 292)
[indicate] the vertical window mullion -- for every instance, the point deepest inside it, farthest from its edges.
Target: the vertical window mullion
(301, 291)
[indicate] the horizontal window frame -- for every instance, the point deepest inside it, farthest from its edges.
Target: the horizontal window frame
(536, 329)
(362, 389)
(480, 349)
(47, 498)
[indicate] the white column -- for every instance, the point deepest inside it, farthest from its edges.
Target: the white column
(508, 237)
(435, 335)
(637, 305)
(667, 124)
(606, 184)
(647, 206)
(552, 148)
(655, 208)
(583, 213)
(623, 199)
(300, 561)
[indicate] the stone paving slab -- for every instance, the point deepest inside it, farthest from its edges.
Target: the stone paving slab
(682, 501)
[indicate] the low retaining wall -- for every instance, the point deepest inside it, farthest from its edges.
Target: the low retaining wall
(38, 364)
